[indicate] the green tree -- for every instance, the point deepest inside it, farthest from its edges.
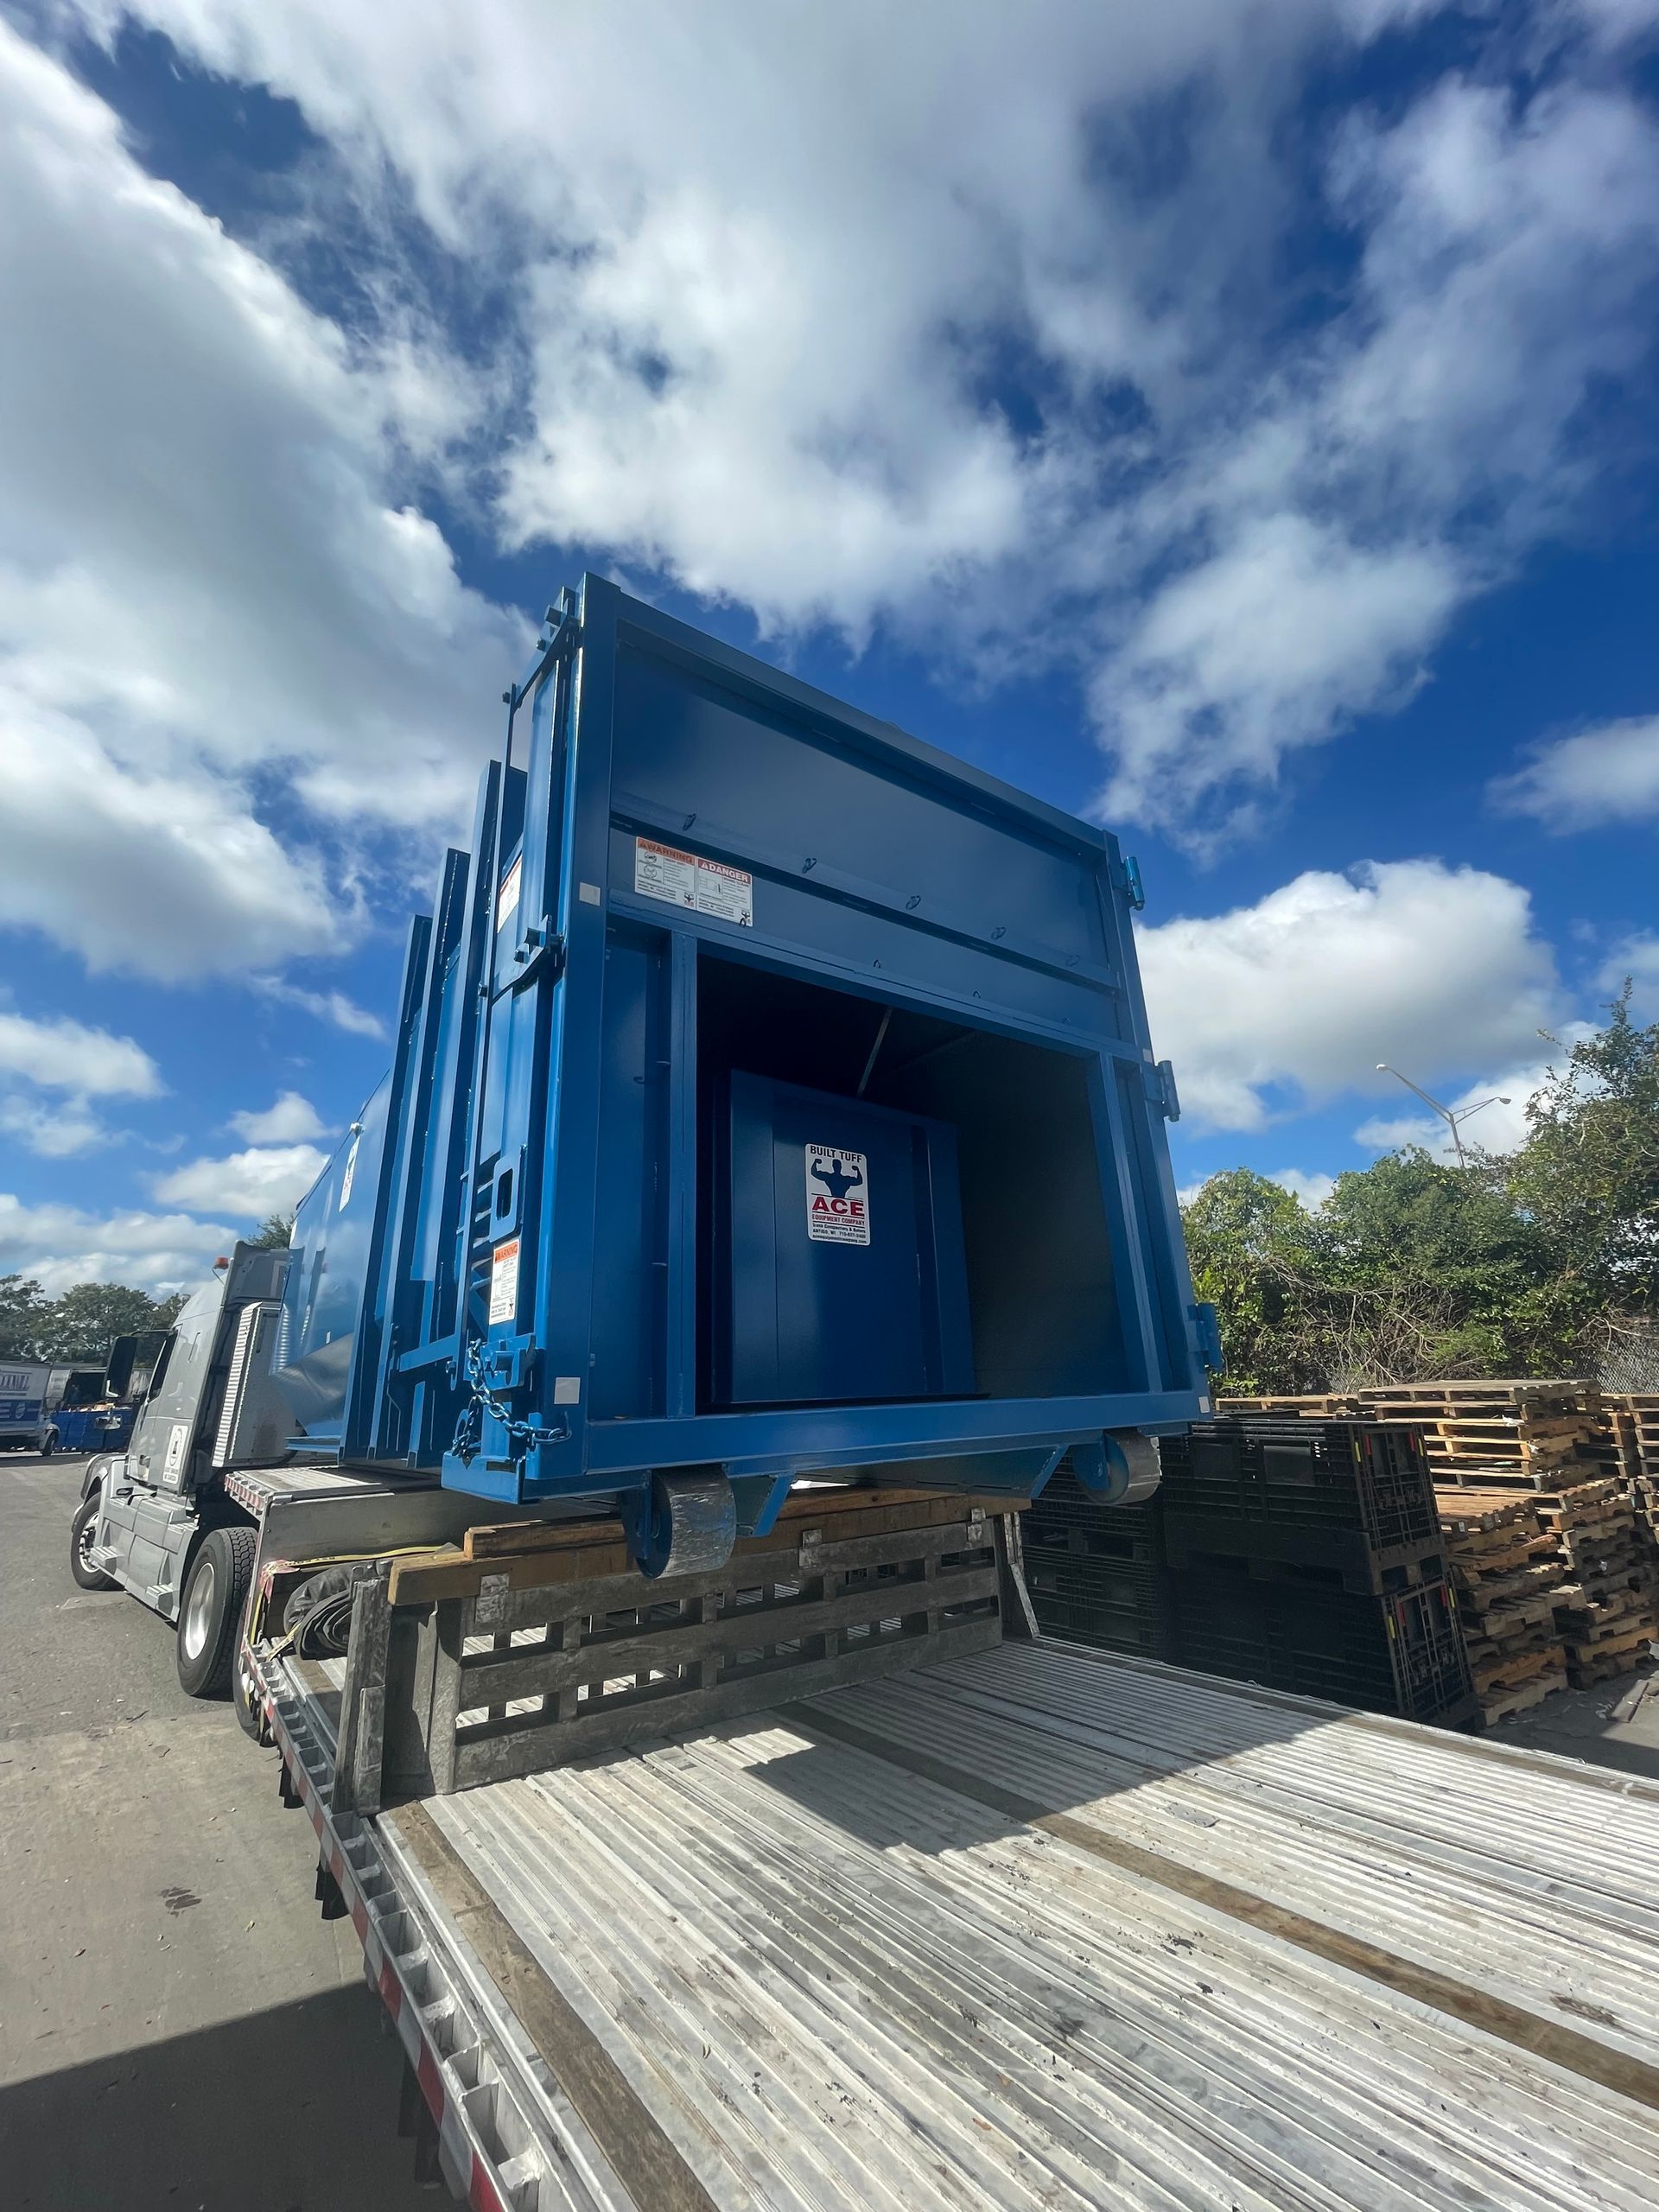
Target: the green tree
(1587, 1178)
(25, 1310)
(274, 1232)
(1248, 1243)
(1423, 1269)
(85, 1321)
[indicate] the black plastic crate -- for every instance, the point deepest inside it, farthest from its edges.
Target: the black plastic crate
(1400, 1653)
(1278, 1551)
(1361, 1477)
(1065, 1509)
(1095, 1571)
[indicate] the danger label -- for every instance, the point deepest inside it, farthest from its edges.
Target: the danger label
(838, 1196)
(689, 880)
(503, 1282)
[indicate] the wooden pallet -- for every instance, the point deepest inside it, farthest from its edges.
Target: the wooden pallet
(1331, 1406)
(1502, 1705)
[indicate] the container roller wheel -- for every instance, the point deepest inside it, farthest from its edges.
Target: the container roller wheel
(688, 1525)
(1122, 1469)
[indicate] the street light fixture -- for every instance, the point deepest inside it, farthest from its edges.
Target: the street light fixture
(1445, 1113)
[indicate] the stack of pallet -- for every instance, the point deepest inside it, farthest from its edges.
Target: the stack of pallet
(1549, 1493)
(1634, 1422)
(1584, 1561)
(1508, 1574)
(1604, 1608)
(1553, 1432)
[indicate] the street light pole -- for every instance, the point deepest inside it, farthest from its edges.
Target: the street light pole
(1445, 1113)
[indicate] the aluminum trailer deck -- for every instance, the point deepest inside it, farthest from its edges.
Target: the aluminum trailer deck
(1036, 1928)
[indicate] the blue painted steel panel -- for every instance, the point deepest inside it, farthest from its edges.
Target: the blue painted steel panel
(699, 894)
(324, 1301)
(841, 1260)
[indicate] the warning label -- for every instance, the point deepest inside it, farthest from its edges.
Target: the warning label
(838, 1196)
(688, 880)
(506, 899)
(503, 1282)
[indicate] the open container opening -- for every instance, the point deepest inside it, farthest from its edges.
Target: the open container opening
(892, 1205)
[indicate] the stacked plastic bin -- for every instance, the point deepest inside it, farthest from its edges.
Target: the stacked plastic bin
(1095, 1573)
(1307, 1555)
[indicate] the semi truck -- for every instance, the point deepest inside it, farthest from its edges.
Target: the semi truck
(25, 1423)
(607, 1510)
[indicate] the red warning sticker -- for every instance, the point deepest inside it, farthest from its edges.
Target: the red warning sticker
(838, 1196)
(688, 880)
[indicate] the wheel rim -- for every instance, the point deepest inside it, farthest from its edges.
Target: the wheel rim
(199, 1610)
(84, 1542)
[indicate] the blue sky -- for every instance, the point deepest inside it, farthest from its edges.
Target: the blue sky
(1233, 423)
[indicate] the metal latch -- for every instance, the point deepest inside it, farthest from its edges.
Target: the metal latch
(541, 955)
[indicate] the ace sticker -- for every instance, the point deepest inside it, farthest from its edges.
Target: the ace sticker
(838, 1196)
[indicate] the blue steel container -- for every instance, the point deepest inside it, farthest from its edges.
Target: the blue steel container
(773, 1094)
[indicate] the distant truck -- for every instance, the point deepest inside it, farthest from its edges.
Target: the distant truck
(26, 1425)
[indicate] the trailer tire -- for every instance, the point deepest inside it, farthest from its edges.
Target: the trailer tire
(81, 1531)
(210, 1610)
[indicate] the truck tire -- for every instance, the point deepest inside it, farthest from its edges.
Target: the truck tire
(48, 1443)
(82, 1529)
(210, 1610)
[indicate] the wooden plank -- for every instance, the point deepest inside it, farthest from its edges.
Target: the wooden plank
(645, 2161)
(596, 1549)
(359, 1741)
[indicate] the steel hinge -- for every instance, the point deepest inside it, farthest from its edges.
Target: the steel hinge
(1160, 1088)
(1133, 890)
(1206, 1327)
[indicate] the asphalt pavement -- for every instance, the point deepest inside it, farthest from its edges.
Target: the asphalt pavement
(180, 2028)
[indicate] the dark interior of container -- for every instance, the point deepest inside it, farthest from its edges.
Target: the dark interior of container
(1044, 1314)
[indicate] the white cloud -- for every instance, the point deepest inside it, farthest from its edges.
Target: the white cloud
(332, 1007)
(289, 1120)
(1311, 1189)
(1639, 958)
(209, 581)
(1295, 999)
(264, 1179)
(59, 1245)
(61, 1054)
(80, 1062)
(769, 302)
(56, 1132)
(1610, 773)
(1274, 642)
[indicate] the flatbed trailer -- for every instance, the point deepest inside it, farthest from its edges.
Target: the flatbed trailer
(1025, 1926)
